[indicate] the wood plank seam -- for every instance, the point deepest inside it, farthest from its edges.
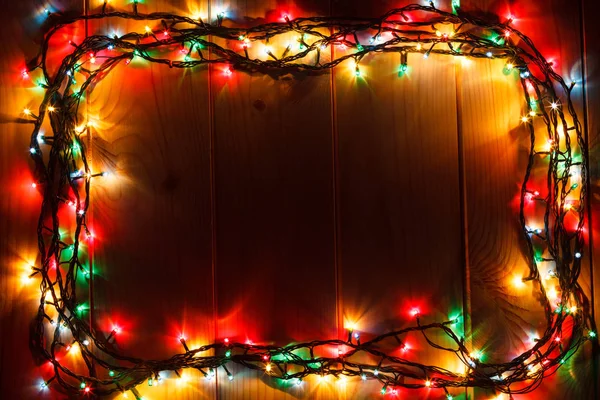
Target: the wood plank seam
(586, 133)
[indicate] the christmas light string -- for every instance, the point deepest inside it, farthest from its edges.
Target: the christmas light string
(64, 176)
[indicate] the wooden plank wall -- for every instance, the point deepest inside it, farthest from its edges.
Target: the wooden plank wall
(280, 210)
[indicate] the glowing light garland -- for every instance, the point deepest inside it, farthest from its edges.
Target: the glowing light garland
(64, 176)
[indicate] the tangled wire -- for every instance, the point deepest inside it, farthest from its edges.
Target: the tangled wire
(64, 175)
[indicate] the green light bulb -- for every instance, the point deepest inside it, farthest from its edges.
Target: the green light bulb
(111, 373)
(82, 385)
(228, 353)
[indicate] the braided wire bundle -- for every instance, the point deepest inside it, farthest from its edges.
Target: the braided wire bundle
(65, 177)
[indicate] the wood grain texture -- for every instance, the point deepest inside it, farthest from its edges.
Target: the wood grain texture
(19, 205)
(20, 369)
(591, 59)
(504, 317)
(399, 200)
(153, 254)
(272, 209)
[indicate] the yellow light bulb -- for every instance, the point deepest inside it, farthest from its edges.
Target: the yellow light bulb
(51, 109)
(428, 383)
(26, 111)
(25, 279)
(438, 33)
(268, 368)
(524, 119)
(148, 29)
(509, 66)
(518, 282)
(419, 47)
(532, 113)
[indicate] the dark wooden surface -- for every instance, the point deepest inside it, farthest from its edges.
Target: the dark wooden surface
(284, 210)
